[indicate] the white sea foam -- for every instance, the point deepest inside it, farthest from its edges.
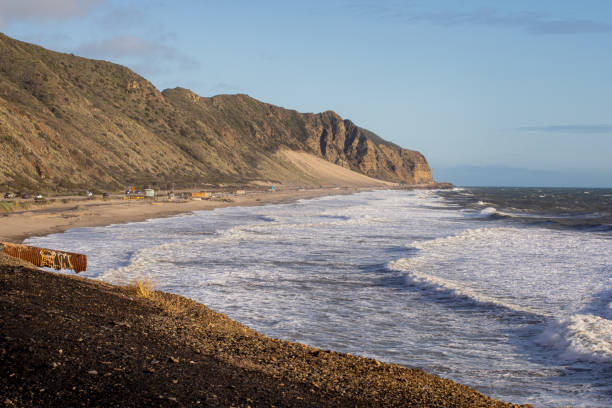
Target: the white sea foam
(580, 336)
(488, 211)
(537, 271)
(506, 309)
(411, 266)
(476, 234)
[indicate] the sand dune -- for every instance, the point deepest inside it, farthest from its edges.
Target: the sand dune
(324, 173)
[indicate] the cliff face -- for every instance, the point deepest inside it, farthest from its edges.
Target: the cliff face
(342, 142)
(68, 122)
(325, 134)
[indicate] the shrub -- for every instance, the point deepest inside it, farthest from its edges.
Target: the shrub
(145, 288)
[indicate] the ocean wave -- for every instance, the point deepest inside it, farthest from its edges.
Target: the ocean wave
(467, 235)
(584, 337)
(337, 221)
(594, 221)
(335, 216)
(488, 211)
(138, 265)
(580, 337)
(268, 218)
(410, 266)
(270, 229)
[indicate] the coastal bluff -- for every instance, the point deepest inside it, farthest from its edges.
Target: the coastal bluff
(69, 123)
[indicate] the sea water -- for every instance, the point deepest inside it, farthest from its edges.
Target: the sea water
(511, 297)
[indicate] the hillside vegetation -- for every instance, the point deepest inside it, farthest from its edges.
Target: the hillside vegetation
(69, 123)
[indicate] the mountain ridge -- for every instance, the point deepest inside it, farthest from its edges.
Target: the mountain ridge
(68, 122)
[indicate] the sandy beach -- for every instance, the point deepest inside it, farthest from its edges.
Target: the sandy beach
(59, 216)
(64, 213)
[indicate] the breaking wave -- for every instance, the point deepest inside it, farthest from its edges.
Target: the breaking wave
(458, 289)
(476, 260)
(580, 337)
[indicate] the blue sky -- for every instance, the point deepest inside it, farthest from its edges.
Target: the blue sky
(493, 87)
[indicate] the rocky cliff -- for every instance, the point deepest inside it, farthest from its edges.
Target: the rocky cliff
(68, 122)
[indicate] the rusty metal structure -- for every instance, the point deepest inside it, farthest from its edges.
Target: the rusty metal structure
(46, 257)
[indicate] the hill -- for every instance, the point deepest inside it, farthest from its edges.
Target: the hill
(69, 123)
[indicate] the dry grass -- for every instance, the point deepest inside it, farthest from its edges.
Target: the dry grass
(10, 206)
(12, 261)
(170, 303)
(144, 287)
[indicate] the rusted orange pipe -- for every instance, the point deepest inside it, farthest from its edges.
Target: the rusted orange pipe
(46, 257)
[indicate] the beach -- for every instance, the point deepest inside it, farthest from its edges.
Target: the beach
(71, 340)
(60, 216)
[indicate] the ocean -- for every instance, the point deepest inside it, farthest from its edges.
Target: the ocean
(507, 290)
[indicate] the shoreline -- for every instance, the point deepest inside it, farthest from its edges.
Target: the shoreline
(59, 217)
(69, 341)
(156, 362)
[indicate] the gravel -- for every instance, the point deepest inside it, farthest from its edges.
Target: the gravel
(69, 341)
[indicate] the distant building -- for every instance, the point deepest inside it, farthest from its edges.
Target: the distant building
(201, 195)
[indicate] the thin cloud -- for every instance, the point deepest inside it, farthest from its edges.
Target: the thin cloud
(530, 22)
(226, 87)
(146, 56)
(122, 17)
(12, 11)
(584, 129)
(121, 46)
(533, 23)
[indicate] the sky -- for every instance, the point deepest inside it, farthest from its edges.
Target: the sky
(491, 92)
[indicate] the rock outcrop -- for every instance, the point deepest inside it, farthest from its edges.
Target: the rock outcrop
(68, 122)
